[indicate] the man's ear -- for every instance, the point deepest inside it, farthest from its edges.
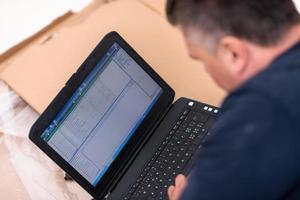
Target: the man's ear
(234, 54)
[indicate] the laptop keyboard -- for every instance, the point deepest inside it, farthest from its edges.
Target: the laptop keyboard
(170, 158)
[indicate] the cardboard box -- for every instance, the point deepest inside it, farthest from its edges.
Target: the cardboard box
(40, 69)
(157, 6)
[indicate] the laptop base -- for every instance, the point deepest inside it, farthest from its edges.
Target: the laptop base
(184, 128)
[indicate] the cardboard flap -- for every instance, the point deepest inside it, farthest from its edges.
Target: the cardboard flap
(157, 5)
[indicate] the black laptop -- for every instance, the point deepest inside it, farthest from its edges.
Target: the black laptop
(115, 129)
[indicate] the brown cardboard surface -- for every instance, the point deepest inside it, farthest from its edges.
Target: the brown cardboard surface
(11, 186)
(40, 71)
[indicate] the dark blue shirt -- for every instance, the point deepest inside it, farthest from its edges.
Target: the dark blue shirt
(254, 148)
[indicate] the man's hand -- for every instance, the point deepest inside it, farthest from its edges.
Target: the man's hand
(175, 192)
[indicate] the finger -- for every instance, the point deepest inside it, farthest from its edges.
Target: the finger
(179, 187)
(180, 179)
(174, 192)
(170, 191)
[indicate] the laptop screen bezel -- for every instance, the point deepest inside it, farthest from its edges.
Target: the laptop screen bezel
(125, 157)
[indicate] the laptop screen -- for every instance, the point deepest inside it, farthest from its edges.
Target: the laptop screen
(102, 115)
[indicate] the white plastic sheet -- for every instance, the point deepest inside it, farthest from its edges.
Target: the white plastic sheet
(16, 117)
(23, 163)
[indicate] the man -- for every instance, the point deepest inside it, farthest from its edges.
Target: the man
(251, 49)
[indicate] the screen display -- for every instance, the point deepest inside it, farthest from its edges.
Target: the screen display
(102, 114)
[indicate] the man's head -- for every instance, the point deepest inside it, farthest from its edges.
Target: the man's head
(235, 38)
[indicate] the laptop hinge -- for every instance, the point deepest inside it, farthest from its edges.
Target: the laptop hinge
(107, 196)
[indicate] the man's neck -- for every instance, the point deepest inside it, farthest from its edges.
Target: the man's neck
(262, 57)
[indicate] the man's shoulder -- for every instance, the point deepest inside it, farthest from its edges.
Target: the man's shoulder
(277, 87)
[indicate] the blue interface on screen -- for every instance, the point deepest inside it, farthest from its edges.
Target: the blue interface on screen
(102, 114)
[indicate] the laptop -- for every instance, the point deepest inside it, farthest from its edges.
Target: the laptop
(115, 129)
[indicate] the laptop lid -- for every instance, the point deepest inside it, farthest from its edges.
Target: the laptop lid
(99, 120)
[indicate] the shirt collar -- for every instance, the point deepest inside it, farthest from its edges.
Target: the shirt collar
(288, 56)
